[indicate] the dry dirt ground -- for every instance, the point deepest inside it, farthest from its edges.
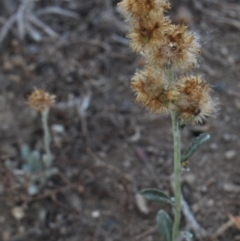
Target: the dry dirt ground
(106, 147)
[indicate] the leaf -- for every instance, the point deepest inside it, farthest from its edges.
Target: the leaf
(165, 225)
(187, 235)
(194, 145)
(33, 189)
(25, 152)
(157, 196)
(33, 163)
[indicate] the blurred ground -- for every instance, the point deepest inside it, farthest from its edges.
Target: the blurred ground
(111, 149)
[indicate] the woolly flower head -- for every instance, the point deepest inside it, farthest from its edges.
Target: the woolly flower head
(195, 102)
(179, 48)
(142, 7)
(40, 100)
(152, 90)
(168, 49)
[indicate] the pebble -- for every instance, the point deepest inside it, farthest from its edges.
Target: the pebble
(230, 187)
(58, 129)
(210, 202)
(141, 204)
(226, 137)
(96, 214)
(75, 201)
(189, 178)
(230, 154)
(213, 146)
(18, 212)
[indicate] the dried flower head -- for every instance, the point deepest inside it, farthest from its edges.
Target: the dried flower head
(195, 102)
(143, 7)
(41, 100)
(179, 48)
(167, 48)
(152, 91)
(148, 33)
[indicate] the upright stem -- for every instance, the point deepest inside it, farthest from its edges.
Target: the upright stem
(46, 138)
(177, 174)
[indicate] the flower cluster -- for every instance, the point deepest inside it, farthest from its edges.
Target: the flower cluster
(40, 100)
(168, 50)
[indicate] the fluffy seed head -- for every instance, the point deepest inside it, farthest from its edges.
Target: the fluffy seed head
(195, 102)
(148, 33)
(40, 100)
(167, 48)
(152, 91)
(179, 48)
(142, 7)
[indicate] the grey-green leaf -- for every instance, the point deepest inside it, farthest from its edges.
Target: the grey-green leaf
(194, 145)
(187, 235)
(165, 225)
(157, 196)
(25, 152)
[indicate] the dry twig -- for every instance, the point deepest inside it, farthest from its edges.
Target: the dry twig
(26, 20)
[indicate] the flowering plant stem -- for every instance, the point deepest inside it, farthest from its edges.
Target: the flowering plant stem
(177, 173)
(46, 138)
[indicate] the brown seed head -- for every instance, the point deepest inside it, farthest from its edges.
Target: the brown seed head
(41, 100)
(147, 32)
(179, 48)
(152, 91)
(195, 102)
(135, 8)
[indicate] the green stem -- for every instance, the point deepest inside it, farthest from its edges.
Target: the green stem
(46, 138)
(177, 173)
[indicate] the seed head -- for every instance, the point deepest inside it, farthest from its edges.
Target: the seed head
(195, 102)
(41, 100)
(134, 8)
(152, 91)
(148, 33)
(179, 48)
(168, 49)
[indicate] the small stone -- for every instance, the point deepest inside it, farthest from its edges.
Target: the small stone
(75, 201)
(230, 187)
(226, 137)
(210, 202)
(63, 230)
(80, 189)
(230, 154)
(141, 204)
(195, 208)
(189, 178)
(213, 146)
(18, 212)
(96, 214)
(7, 66)
(58, 129)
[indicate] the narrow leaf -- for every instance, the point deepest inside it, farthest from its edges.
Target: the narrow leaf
(157, 196)
(165, 225)
(194, 145)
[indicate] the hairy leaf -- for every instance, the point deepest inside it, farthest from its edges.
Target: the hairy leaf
(165, 225)
(194, 145)
(157, 196)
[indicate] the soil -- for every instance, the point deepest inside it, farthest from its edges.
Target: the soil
(106, 147)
